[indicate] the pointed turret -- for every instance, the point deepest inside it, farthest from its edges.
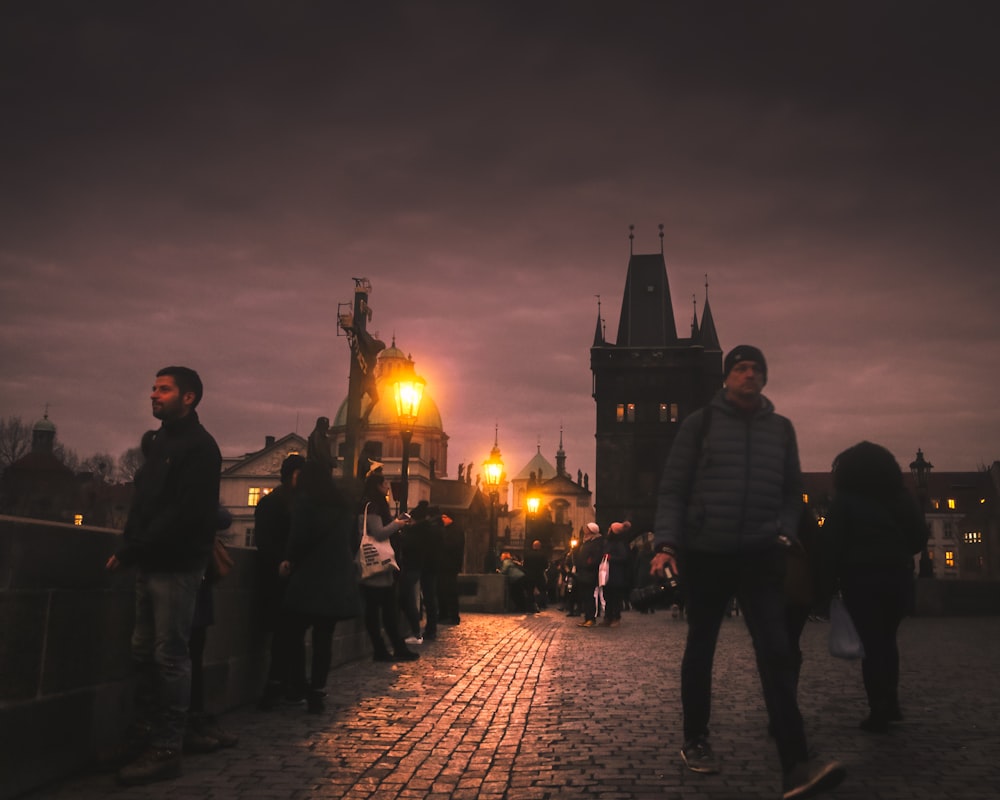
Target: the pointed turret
(560, 455)
(647, 318)
(707, 337)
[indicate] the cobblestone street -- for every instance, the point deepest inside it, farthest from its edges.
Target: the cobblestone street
(529, 708)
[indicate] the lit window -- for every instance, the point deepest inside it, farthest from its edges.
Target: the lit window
(973, 537)
(620, 412)
(253, 496)
(949, 558)
(951, 503)
(630, 412)
(935, 504)
(805, 497)
(668, 412)
(78, 519)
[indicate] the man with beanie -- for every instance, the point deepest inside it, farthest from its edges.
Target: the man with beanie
(729, 505)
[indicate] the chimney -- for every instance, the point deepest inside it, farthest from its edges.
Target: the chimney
(268, 441)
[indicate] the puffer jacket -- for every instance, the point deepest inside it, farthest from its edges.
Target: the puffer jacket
(745, 489)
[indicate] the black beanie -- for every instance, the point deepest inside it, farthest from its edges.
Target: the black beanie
(744, 352)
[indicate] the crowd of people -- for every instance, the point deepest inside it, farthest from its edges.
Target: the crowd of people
(731, 531)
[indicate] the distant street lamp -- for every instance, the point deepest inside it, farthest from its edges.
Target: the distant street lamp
(530, 509)
(493, 476)
(921, 469)
(407, 392)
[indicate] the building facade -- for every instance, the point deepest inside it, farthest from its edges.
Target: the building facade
(645, 383)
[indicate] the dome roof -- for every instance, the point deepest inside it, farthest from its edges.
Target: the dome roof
(391, 362)
(44, 424)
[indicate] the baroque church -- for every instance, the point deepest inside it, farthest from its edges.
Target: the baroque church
(645, 383)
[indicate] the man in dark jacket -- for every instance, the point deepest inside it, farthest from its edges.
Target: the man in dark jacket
(729, 506)
(168, 536)
(272, 527)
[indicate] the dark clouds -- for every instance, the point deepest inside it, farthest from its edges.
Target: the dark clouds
(199, 183)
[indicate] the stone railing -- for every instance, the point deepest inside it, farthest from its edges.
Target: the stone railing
(65, 661)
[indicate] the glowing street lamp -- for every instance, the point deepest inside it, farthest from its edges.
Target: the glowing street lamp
(493, 476)
(407, 391)
(530, 509)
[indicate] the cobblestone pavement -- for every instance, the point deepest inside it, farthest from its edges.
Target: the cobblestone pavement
(506, 707)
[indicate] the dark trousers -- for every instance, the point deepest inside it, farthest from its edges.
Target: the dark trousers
(757, 582)
(614, 601)
(322, 648)
(196, 645)
(447, 592)
(428, 591)
(381, 612)
(587, 601)
(877, 602)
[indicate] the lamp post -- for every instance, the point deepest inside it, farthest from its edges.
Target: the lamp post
(530, 509)
(493, 476)
(407, 392)
(921, 469)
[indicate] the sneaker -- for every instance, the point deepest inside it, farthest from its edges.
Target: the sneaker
(808, 778)
(155, 764)
(316, 701)
(208, 725)
(197, 741)
(405, 655)
(698, 756)
(414, 640)
(587, 623)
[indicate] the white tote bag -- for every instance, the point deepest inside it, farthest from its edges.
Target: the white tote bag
(374, 557)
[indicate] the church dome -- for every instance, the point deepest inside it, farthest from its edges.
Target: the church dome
(391, 362)
(44, 424)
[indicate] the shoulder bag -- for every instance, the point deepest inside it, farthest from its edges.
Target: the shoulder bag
(374, 557)
(844, 639)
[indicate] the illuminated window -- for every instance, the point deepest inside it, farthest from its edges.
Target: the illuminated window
(78, 519)
(626, 412)
(973, 537)
(935, 504)
(951, 503)
(668, 412)
(805, 497)
(949, 558)
(253, 496)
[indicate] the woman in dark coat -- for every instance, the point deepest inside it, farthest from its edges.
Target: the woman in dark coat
(617, 551)
(869, 538)
(322, 577)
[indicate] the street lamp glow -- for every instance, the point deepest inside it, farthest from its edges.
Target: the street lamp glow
(408, 392)
(533, 503)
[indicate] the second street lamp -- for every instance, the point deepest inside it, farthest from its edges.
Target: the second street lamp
(921, 469)
(407, 393)
(493, 476)
(531, 508)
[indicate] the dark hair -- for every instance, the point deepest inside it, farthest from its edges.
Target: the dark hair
(187, 380)
(291, 463)
(374, 495)
(868, 469)
(316, 483)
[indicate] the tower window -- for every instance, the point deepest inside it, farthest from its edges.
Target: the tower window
(625, 412)
(949, 558)
(253, 495)
(668, 412)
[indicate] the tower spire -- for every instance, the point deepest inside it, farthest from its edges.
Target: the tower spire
(661, 238)
(631, 238)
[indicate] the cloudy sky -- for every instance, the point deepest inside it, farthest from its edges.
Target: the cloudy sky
(199, 183)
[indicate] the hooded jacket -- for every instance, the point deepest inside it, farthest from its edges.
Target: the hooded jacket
(735, 491)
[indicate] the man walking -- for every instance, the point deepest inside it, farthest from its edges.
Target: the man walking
(168, 536)
(729, 506)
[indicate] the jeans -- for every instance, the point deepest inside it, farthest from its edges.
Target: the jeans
(381, 612)
(756, 580)
(164, 608)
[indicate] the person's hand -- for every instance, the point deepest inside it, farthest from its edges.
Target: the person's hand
(285, 569)
(661, 560)
(112, 563)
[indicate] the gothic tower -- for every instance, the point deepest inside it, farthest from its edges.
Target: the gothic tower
(644, 385)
